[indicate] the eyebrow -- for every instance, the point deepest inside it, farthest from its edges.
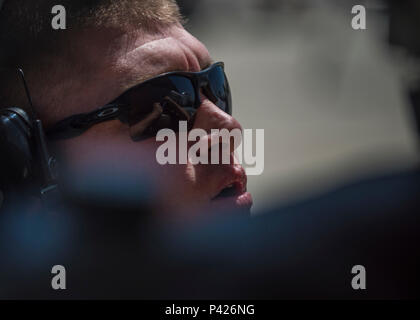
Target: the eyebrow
(147, 77)
(208, 64)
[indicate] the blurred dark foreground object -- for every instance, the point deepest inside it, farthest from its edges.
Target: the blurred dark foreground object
(187, 7)
(404, 31)
(404, 17)
(305, 250)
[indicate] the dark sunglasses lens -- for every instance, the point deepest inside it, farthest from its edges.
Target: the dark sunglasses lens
(142, 98)
(220, 89)
(146, 119)
(183, 92)
(143, 117)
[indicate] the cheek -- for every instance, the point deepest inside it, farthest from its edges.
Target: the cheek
(111, 147)
(177, 186)
(175, 183)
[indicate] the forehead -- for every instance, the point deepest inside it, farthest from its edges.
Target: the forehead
(100, 65)
(134, 57)
(173, 50)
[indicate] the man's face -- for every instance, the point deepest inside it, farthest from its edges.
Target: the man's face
(104, 64)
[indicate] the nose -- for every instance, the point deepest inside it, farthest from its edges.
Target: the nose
(208, 116)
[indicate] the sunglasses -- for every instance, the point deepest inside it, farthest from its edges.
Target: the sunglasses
(158, 103)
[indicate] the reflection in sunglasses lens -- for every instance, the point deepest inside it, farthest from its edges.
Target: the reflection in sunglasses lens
(217, 83)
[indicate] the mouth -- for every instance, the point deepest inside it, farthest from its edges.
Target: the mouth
(229, 191)
(233, 193)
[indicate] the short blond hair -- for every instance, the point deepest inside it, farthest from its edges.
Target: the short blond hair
(25, 25)
(27, 38)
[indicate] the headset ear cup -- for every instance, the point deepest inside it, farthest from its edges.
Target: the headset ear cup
(16, 148)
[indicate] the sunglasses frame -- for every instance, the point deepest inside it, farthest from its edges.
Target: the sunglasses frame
(199, 79)
(77, 124)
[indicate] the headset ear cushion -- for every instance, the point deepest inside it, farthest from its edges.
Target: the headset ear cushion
(18, 111)
(16, 148)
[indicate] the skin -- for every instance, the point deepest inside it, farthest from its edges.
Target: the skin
(97, 67)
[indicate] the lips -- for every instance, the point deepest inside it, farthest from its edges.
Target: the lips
(232, 191)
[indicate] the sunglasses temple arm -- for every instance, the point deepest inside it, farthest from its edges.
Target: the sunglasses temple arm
(77, 124)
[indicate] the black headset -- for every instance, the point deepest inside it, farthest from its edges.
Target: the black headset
(25, 163)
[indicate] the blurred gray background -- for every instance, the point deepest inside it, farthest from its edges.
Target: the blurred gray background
(331, 99)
